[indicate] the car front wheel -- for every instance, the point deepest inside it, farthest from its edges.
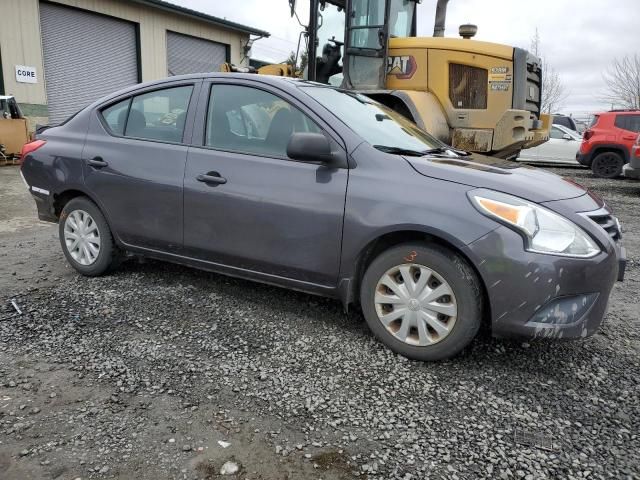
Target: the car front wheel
(422, 301)
(86, 238)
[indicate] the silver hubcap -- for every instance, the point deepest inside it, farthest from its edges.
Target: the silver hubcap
(82, 237)
(415, 304)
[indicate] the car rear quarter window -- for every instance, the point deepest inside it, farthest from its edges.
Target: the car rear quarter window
(250, 120)
(115, 116)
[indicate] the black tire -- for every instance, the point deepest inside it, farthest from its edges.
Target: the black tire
(455, 271)
(107, 255)
(607, 165)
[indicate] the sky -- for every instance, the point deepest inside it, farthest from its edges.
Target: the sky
(578, 38)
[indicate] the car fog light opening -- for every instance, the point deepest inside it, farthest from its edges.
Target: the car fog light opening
(544, 231)
(563, 311)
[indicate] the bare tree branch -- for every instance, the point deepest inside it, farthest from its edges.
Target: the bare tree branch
(553, 90)
(623, 83)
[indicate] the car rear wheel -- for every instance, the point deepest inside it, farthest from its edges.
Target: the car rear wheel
(607, 165)
(422, 301)
(86, 238)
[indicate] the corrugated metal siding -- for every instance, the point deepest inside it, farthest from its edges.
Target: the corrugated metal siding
(86, 56)
(193, 55)
(20, 40)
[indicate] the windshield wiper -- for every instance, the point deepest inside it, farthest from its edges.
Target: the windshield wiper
(447, 149)
(436, 150)
(421, 153)
(399, 151)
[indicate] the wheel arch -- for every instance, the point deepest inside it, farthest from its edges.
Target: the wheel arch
(397, 102)
(389, 239)
(64, 197)
(422, 108)
(615, 148)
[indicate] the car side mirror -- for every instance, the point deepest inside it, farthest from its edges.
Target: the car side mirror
(566, 136)
(309, 147)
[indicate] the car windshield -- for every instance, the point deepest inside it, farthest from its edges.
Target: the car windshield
(378, 125)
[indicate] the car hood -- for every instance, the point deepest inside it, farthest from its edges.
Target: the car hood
(505, 176)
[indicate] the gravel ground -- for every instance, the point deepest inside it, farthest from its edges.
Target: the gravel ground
(142, 373)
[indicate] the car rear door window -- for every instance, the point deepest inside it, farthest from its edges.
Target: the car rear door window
(159, 115)
(116, 116)
(250, 120)
(628, 122)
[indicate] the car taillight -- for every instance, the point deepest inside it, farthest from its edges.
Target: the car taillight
(638, 140)
(30, 147)
(587, 134)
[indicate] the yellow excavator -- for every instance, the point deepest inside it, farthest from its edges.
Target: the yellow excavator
(476, 96)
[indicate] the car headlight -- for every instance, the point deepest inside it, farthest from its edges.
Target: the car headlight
(544, 231)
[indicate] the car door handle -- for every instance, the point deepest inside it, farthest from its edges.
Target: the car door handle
(211, 178)
(97, 162)
(629, 137)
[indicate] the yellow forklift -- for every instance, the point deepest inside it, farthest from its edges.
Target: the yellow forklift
(476, 96)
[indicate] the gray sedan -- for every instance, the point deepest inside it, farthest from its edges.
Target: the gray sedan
(322, 190)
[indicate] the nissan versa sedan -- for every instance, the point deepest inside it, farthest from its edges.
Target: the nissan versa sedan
(318, 189)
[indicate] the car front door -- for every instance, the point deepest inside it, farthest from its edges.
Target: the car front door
(557, 148)
(134, 161)
(246, 204)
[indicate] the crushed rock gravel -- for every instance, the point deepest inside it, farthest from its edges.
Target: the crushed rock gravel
(140, 374)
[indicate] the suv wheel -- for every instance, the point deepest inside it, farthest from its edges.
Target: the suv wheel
(86, 238)
(422, 301)
(607, 165)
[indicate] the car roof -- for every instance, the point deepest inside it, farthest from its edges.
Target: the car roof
(619, 112)
(270, 79)
(565, 129)
(265, 79)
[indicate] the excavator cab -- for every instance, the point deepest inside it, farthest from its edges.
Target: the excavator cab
(474, 95)
(356, 32)
(369, 25)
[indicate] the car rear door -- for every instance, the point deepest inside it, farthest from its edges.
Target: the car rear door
(134, 160)
(246, 204)
(629, 125)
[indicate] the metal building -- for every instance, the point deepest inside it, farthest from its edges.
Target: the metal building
(57, 56)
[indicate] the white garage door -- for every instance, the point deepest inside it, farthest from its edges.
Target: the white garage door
(86, 56)
(187, 54)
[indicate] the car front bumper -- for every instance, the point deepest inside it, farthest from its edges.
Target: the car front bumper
(632, 169)
(545, 296)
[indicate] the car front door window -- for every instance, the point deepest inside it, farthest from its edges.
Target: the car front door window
(249, 120)
(556, 133)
